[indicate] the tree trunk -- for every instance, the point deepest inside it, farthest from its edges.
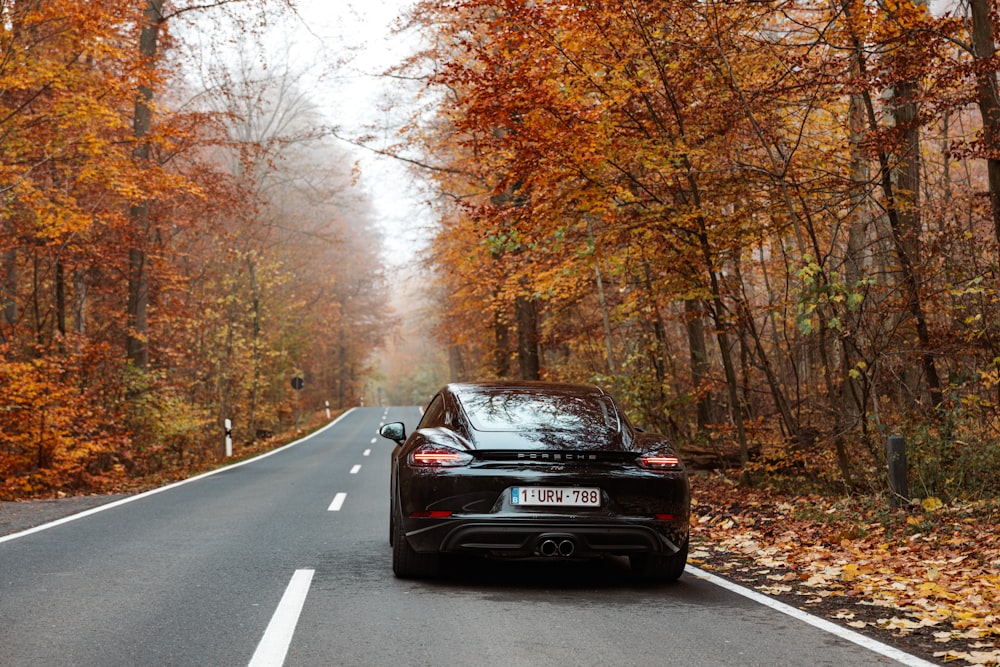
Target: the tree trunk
(61, 299)
(721, 328)
(661, 350)
(901, 210)
(342, 370)
(722, 335)
(609, 350)
(988, 99)
(852, 400)
(527, 338)
(80, 301)
(764, 364)
(8, 289)
(456, 365)
(137, 346)
(904, 219)
(256, 347)
(501, 349)
(698, 355)
(605, 316)
(855, 264)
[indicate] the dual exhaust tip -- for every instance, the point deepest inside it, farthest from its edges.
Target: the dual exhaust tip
(556, 547)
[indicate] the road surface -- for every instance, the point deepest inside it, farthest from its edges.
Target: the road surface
(285, 560)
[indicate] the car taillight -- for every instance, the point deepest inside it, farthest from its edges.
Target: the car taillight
(660, 461)
(430, 456)
(436, 514)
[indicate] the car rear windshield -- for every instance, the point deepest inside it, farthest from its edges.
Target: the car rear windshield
(522, 411)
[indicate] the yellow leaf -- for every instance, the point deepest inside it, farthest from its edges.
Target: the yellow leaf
(931, 504)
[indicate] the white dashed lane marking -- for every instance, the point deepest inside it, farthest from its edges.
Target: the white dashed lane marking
(338, 502)
(273, 646)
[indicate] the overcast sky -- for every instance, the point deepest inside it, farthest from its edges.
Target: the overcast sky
(354, 97)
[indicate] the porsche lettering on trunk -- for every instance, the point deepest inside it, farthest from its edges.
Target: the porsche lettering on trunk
(555, 456)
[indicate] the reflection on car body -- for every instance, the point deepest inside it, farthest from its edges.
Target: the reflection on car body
(534, 470)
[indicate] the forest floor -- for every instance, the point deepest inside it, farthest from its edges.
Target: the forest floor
(924, 578)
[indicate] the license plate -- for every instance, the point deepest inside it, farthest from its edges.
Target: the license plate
(560, 496)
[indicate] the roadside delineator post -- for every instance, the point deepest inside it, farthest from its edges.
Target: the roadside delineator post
(895, 454)
(229, 437)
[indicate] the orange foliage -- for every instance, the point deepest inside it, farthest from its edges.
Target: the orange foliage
(57, 422)
(237, 247)
(707, 205)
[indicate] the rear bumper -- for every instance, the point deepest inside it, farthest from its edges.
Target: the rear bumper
(514, 538)
(640, 511)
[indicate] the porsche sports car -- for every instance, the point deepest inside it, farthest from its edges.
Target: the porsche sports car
(534, 470)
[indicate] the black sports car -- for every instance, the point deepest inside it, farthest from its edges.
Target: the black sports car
(534, 470)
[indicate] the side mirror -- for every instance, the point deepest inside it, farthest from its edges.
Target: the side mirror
(394, 431)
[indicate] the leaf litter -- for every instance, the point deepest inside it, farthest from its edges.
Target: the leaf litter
(925, 577)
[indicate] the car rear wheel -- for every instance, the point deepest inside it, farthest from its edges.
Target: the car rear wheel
(659, 567)
(392, 523)
(407, 563)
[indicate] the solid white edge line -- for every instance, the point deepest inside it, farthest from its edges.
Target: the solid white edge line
(273, 646)
(123, 501)
(355, 470)
(338, 502)
(815, 621)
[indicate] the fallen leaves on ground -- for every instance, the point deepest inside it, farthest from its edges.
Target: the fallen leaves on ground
(925, 577)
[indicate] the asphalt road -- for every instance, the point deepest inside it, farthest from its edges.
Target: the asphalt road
(285, 560)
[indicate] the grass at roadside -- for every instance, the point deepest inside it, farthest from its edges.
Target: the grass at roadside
(310, 423)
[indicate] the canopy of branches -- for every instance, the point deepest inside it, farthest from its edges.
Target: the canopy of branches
(771, 226)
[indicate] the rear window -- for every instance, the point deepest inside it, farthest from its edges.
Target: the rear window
(521, 411)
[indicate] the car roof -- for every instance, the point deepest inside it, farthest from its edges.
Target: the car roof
(524, 386)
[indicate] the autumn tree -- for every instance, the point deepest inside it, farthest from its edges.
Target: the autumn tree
(643, 169)
(161, 270)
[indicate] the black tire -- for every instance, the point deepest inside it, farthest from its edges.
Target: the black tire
(659, 567)
(392, 510)
(392, 521)
(407, 563)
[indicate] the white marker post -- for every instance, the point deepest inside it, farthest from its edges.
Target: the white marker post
(328, 409)
(229, 437)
